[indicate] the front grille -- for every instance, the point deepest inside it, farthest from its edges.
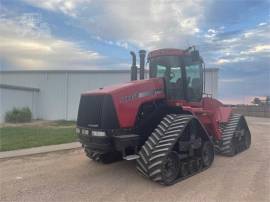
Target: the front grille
(90, 110)
(97, 111)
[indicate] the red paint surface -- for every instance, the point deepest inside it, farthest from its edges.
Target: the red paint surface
(127, 110)
(209, 111)
(168, 52)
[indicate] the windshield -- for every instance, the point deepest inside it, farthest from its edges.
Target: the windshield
(169, 68)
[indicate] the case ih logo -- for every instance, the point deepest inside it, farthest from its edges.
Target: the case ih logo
(142, 94)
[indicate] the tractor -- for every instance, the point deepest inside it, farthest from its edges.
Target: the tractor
(167, 123)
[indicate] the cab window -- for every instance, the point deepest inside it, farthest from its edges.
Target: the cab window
(169, 68)
(161, 71)
(194, 82)
(175, 74)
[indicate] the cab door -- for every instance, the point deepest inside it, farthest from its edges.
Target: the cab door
(194, 82)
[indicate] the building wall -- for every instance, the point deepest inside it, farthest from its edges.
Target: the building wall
(60, 90)
(10, 98)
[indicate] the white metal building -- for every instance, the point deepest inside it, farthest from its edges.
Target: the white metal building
(55, 94)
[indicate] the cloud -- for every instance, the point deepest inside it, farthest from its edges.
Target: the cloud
(26, 45)
(145, 24)
(243, 59)
(232, 60)
(68, 7)
(233, 36)
(150, 25)
(235, 13)
(260, 49)
(116, 43)
(262, 24)
(165, 23)
(236, 80)
(250, 45)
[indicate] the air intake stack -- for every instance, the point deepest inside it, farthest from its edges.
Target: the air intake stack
(133, 67)
(142, 54)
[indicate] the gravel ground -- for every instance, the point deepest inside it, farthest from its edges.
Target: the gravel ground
(70, 176)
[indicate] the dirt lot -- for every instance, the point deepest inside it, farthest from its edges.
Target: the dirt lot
(70, 176)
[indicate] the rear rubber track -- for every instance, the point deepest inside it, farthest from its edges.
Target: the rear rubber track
(236, 136)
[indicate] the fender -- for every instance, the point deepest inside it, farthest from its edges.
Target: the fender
(127, 101)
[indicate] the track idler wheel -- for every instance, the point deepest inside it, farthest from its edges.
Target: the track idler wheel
(170, 168)
(207, 153)
(247, 139)
(184, 169)
(199, 164)
(192, 166)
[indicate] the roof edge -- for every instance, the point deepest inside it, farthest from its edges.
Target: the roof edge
(22, 88)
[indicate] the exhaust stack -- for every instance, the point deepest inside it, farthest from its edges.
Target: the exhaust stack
(142, 54)
(133, 67)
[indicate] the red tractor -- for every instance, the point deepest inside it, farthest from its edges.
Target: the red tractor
(166, 122)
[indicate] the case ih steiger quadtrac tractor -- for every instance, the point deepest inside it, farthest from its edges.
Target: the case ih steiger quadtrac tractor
(166, 122)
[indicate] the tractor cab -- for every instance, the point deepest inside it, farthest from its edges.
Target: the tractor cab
(181, 70)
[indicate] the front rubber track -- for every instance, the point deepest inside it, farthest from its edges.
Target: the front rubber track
(159, 147)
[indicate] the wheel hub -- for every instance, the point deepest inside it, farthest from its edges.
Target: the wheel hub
(170, 168)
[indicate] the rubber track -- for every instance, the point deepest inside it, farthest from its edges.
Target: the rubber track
(228, 132)
(159, 144)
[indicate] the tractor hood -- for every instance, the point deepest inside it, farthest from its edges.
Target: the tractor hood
(128, 88)
(127, 98)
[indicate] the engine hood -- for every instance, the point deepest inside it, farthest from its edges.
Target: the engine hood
(132, 86)
(127, 98)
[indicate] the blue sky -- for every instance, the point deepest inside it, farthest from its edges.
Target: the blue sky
(232, 35)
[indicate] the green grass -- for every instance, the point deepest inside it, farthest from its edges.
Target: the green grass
(64, 123)
(12, 138)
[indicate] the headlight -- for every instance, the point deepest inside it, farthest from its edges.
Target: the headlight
(98, 133)
(78, 131)
(85, 132)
